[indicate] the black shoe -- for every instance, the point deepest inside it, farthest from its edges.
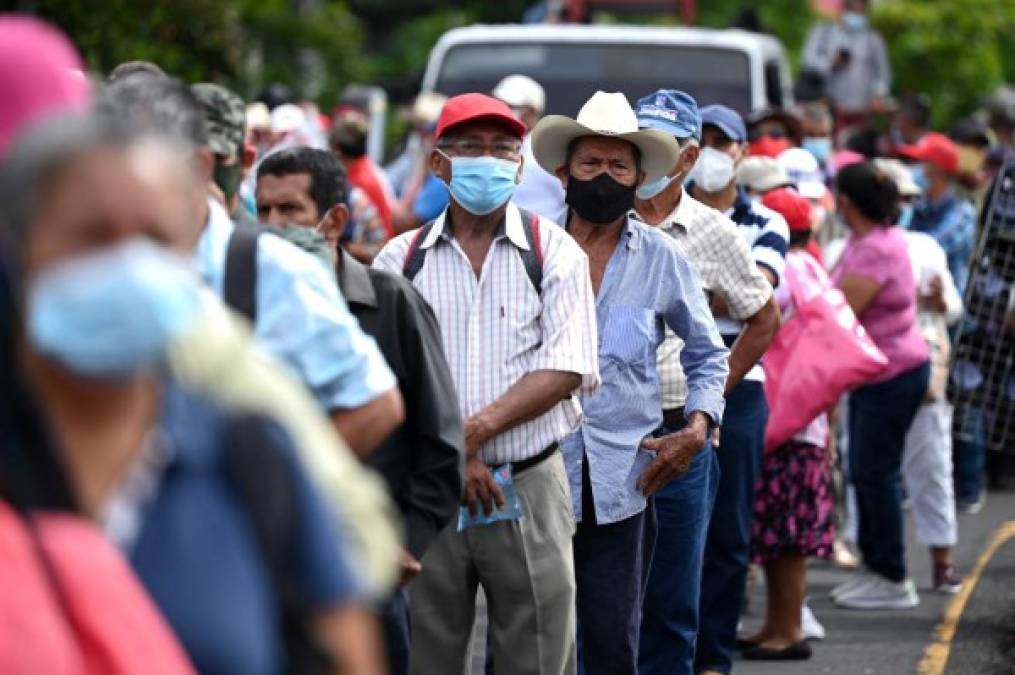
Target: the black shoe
(744, 643)
(801, 651)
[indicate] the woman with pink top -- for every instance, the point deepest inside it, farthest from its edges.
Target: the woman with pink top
(876, 276)
(794, 505)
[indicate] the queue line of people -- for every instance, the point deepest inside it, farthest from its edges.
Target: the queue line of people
(587, 383)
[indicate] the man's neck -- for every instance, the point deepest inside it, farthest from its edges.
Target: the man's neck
(721, 201)
(657, 209)
(590, 235)
(937, 190)
(471, 226)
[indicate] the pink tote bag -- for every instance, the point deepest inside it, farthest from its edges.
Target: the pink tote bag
(820, 353)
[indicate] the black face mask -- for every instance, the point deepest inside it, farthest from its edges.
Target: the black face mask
(599, 200)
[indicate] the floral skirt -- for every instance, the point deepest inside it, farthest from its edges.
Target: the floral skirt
(794, 506)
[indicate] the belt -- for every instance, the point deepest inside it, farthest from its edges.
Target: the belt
(522, 465)
(674, 419)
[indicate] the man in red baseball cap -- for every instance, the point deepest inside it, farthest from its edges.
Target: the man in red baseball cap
(511, 293)
(941, 213)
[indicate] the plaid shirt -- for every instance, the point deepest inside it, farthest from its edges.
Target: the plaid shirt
(497, 328)
(722, 259)
(952, 222)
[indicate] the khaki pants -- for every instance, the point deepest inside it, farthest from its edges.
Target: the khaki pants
(526, 568)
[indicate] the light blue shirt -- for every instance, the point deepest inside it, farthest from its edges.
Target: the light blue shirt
(648, 284)
(301, 317)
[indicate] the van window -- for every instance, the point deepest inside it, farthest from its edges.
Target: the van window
(571, 72)
(773, 84)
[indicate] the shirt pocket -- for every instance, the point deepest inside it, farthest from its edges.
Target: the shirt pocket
(627, 335)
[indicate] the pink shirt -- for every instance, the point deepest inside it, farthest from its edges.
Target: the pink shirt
(883, 257)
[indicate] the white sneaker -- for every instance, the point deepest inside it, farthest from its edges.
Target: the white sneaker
(881, 593)
(849, 585)
(812, 628)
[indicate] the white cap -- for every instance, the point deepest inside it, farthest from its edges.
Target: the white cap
(803, 169)
(759, 173)
(900, 175)
(258, 116)
(286, 118)
(521, 91)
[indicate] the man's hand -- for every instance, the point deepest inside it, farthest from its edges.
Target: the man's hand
(934, 298)
(411, 568)
(481, 487)
(674, 454)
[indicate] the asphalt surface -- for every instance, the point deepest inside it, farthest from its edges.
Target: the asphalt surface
(894, 642)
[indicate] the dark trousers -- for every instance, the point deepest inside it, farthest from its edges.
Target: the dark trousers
(879, 418)
(970, 457)
(397, 633)
(727, 548)
(669, 623)
(611, 564)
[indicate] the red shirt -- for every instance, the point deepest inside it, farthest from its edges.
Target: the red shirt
(367, 176)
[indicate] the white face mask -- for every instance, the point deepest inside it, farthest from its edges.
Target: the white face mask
(713, 170)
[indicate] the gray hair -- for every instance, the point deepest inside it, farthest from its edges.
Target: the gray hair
(162, 106)
(39, 154)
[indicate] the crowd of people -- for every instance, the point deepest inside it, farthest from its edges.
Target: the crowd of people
(284, 410)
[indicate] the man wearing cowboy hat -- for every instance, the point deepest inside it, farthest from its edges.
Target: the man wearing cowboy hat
(722, 257)
(643, 283)
(512, 296)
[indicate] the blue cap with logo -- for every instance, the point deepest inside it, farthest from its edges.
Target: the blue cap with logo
(728, 120)
(671, 111)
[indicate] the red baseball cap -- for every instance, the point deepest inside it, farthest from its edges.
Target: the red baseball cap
(792, 206)
(469, 107)
(936, 149)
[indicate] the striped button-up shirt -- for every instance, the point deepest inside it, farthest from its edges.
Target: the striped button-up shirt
(725, 266)
(498, 328)
(648, 284)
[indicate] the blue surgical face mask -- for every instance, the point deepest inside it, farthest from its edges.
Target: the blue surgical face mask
(820, 147)
(854, 20)
(649, 190)
(482, 184)
(905, 216)
(919, 176)
(113, 313)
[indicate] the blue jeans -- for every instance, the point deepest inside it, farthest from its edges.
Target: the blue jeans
(611, 565)
(879, 418)
(669, 623)
(969, 457)
(397, 633)
(727, 548)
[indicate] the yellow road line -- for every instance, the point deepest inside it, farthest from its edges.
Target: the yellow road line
(935, 656)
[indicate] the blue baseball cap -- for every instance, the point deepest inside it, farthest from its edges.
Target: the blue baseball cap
(728, 120)
(671, 111)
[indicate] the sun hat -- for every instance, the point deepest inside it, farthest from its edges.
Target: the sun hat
(761, 174)
(521, 91)
(792, 206)
(470, 107)
(672, 111)
(287, 117)
(608, 115)
(900, 175)
(936, 149)
(727, 120)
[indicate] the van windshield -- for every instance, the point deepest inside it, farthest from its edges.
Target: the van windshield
(571, 72)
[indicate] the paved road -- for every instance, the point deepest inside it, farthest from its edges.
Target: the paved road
(893, 643)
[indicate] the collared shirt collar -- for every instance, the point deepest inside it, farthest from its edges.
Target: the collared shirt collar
(510, 225)
(682, 215)
(741, 206)
(354, 281)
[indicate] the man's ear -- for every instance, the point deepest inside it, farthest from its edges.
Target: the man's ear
(204, 164)
(521, 168)
(439, 166)
(690, 158)
(562, 174)
(334, 223)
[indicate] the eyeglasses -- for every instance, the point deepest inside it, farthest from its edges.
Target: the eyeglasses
(468, 148)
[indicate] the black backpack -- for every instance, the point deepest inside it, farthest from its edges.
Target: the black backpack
(532, 258)
(240, 283)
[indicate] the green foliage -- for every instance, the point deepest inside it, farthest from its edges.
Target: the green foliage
(954, 50)
(243, 44)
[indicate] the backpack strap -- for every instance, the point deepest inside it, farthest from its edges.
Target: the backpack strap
(532, 258)
(415, 256)
(240, 284)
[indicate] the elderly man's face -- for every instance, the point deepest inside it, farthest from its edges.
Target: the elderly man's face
(109, 195)
(597, 154)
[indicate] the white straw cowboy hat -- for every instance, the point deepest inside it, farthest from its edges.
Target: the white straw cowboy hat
(611, 116)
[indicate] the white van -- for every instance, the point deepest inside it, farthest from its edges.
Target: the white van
(745, 71)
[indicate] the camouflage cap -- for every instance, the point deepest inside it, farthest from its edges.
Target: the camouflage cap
(225, 117)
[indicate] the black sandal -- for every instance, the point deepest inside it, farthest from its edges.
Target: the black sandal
(801, 651)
